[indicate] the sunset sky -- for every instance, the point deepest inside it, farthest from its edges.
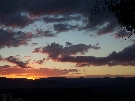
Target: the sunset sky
(41, 38)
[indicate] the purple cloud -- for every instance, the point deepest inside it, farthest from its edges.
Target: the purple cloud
(55, 51)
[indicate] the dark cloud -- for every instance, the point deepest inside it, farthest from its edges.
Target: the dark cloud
(125, 57)
(61, 27)
(36, 50)
(50, 6)
(96, 47)
(64, 27)
(82, 64)
(39, 8)
(41, 61)
(5, 66)
(47, 33)
(16, 20)
(93, 13)
(15, 13)
(11, 14)
(9, 6)
(106, 29)
(55, 51)
(18, 13)
(68, 44)
(90, 60)
(17, 61)
(8, 38)
(33, 44)
(66, 54)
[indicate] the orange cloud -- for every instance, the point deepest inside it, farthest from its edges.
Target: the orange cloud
(35, 73)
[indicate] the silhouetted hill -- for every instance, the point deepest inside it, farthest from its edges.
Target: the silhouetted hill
(71, 89)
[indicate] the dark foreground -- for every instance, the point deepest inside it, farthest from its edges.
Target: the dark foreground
(61, 89)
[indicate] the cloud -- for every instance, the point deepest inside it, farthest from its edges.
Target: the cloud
(43, 7)
(82, 64)
(64, 27)
(50, 6)
(67, 54)
(125, 57)
(36, 50)
(41, 33)
(62, 18)
(96, 47)
(41, 61)
(61, 27)
(16, 20)
(14, 39)
(33, 44)
(20, 14)
(44, 72)
(68, 44)
(12, 15)
(83, 60)
(106, 29)
(17, 62)
(55, 51)
(5, 66)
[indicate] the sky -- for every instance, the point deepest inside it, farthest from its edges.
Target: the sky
(70, 38)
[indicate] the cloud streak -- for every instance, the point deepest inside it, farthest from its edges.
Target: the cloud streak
(17, 62)
(125, 58)
(42, 72)
(62, 18)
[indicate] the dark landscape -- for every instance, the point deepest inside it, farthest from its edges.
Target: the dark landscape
(70, 89)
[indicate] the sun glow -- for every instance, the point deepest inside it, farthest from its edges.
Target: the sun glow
(31, 78)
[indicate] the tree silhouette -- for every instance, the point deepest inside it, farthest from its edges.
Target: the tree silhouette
(124, 10)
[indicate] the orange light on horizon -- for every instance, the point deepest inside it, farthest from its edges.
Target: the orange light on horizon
(31, 78)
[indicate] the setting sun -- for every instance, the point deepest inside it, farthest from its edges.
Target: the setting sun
(31, 78)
